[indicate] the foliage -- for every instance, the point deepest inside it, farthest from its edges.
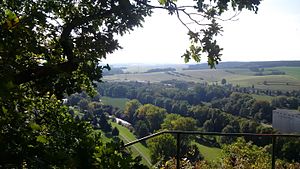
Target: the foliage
(152, 114)
(62, 41)
(130, 109)
(40, 133)
(245, 155)
(141, 129)
(177, 122)
(162, 147)
(115, 131)
(110, 156)
(288, 149)
(223, 81)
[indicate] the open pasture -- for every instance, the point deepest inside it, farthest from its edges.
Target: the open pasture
(242, 77)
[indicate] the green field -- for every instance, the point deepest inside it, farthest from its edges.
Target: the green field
(115, 102)
(138, 148)
(209, 153)
(241, 77)
(291, 71)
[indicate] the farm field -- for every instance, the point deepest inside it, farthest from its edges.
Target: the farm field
(270, 82)
(291, 71)
(242, 77)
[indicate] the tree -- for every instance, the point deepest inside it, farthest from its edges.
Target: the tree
(130, 109)
(63, 41)
(262, 111)
(162, 147)
(223, 81)
(141, 129)
(153, 114)
(245, 155)
(115, 131)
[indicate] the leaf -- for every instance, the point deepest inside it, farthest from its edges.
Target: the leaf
(41, 139)
(34, 126)
(162, 2)
(4, 110)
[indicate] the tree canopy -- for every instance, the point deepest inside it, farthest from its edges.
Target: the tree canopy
(63, 42)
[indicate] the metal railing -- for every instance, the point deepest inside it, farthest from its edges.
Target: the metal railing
(179, 133)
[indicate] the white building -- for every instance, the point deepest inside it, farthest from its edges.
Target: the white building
(286, 121)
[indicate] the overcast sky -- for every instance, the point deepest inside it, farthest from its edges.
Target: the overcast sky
(272, 34)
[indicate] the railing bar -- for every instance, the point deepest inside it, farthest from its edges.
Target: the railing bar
(178, 152)
(144, 138)
(273, 151)
(210, 134)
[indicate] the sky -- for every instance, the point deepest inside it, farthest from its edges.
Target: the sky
(271, 34)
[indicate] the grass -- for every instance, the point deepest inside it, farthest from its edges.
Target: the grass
(138, 148)
(243, 77)
(262, 97)
(291, 71)
(274, 82)
(115, 102)
(209, 153)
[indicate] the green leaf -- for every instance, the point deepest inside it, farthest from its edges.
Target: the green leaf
(162, 2)
(34, 126)
(4, 110)
(41, 139)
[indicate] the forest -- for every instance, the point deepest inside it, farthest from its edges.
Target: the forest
(181, 105)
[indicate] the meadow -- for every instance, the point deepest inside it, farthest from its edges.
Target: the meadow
(242, 77)
(115, 102)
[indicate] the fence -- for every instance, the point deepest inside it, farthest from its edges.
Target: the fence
(179, 133)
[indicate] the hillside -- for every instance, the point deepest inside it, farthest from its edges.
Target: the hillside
(275, 78)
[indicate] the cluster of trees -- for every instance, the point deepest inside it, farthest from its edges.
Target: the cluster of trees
(178, 96)
(286, 102)
(90, 109)
(161, 70)
(244, 105)
(173, 99)
(229, 112)
(149, 118)
(214, 120)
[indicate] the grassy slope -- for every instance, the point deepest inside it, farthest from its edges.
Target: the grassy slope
(242, 77)
(209, 153)
(137, 149)
(275, 82)
(115, 102)
(291, 71)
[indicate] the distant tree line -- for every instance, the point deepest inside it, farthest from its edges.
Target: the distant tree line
(161, 70)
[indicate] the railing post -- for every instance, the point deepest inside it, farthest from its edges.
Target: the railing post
(178, 151)
(273, 151)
